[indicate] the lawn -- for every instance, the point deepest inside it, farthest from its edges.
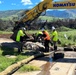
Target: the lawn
(67, 36)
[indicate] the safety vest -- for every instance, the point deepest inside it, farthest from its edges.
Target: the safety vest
(47, 36)
(39, 33)
(19, 34)
(55, 34)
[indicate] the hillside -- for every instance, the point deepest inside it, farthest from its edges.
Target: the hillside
(70, 13)
(8, 18)
(10, 14)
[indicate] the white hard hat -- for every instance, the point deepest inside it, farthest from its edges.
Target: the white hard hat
(53, 28)
(42, 29)
(23, 28)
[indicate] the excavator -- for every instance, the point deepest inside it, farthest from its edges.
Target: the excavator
(35, 12)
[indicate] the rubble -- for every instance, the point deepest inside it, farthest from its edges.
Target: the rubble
(34, 46)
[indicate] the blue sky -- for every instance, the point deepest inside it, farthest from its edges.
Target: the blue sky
(18, 4)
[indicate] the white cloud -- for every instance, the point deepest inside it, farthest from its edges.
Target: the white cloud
(49, 9)
(26, 2)
(0, 2)
(41, 0)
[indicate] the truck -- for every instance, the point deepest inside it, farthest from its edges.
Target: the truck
(35, 12)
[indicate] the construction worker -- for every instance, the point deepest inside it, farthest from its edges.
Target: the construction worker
(19, 38)
(54, 37)
(39, 36)
(46, 38)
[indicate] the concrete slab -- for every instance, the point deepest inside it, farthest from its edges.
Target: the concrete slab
(62, 69)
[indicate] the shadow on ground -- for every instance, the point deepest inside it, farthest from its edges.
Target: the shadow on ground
(9, 48)
(12, 49)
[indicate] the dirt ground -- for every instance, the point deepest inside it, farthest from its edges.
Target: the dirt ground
(5, 36)
(2, 40)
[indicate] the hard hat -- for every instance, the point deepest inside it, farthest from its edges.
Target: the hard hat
(53, 28)
(42, 29)
(23, 28)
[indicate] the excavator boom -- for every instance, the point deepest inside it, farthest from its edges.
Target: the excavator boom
(47, 4)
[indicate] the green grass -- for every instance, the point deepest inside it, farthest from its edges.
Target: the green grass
(71, 37)
(10, 18)
(5, 32)
(70, 33)
(28, 68)
(64, 29)
(5, 61)
(49, 19)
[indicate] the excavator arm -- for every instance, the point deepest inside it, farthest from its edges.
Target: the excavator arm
(47, 4)
(35, 12)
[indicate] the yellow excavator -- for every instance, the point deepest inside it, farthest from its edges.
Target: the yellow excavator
(35, 12)
(47, 4)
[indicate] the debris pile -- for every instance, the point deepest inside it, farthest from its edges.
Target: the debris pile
(34, 46)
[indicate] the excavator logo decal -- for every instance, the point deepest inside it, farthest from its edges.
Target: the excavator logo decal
(64, 4)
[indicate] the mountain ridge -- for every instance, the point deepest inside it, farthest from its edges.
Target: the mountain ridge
(68, 13)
